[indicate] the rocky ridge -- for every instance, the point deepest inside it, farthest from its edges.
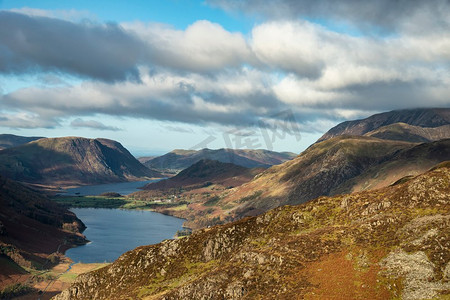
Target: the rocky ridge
(419, 117)
(387, 243)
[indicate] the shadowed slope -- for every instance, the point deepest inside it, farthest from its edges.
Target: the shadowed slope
(71, 160)
(11, 140)
(31, 228)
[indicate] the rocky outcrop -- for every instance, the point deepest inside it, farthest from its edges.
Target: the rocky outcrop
(392, 242)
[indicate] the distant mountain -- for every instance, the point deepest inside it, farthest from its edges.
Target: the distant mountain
(392, 243)
(204, 172)
(32, 228)
(144, 159)
(11, 140)
(421, 117)
(411, 133)
(178, 160)
(70, 161)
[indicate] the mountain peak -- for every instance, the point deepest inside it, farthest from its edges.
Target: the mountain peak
(72, 160)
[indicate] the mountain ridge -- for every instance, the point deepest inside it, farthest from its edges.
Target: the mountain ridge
(71, 161)
(410, 133)
(332, 166)
(422, 117)
(180, 159)
(11, 140)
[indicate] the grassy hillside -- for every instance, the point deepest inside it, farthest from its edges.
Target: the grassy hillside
(385, 244)
(317, 171)
(71, 160)
(405, 163)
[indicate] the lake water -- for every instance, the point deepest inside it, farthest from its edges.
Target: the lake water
(123, 188)
(115, 231)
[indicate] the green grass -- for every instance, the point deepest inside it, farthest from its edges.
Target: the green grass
(15, 290)
(91, 201)
(114, 202)
(254, 196)
(212, 201)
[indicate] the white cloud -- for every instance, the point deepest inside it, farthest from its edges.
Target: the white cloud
(373, 17)
(68, 15)
(92, 124)
(202, 47)
(206, 74)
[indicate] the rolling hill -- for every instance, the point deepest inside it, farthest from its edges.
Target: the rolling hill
(11, 140)
(71, 161)
(199, 186)
(178, 160)
(206, 172)
(421, 117)
(385, 244)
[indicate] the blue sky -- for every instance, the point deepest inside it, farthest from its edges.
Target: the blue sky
(160, 75)
(178, 13)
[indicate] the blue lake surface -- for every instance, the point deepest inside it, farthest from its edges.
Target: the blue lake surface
(115, 231)
(123, 188)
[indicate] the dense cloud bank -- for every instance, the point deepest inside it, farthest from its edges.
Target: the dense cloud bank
(206, 74)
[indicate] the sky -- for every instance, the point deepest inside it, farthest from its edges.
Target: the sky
(179, 74)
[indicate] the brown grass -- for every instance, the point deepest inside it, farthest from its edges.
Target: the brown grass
(335, 276)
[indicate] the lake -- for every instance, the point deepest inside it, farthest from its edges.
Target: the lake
(115, 231)
(123, 188)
